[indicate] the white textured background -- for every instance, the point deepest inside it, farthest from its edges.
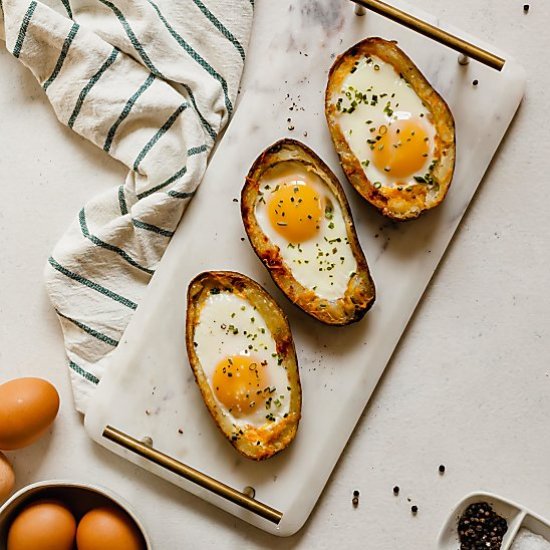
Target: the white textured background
(468, 387)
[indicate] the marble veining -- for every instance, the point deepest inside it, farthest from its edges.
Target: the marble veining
(150, 391)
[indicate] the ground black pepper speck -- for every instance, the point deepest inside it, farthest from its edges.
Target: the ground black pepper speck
(480, 527)
(396, 490)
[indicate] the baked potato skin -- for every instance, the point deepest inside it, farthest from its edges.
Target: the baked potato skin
(360, 294)
(395, 204)
(276, 436)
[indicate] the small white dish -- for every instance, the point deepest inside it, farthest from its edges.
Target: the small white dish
(537, 525)
(516, 516)
(79, 497)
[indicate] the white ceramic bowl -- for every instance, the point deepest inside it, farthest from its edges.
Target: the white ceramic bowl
(515, 515)
(79, 497)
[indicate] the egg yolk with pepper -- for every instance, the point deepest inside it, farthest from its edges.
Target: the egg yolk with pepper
(401, 148)
(295, 211)
(239, 382)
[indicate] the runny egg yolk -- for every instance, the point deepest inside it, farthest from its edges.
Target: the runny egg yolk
(239, 383)
(402, 149)
(295, 210)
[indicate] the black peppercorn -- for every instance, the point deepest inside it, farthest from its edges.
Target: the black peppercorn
(481, 527)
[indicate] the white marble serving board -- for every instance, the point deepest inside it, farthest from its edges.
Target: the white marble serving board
(149, 389)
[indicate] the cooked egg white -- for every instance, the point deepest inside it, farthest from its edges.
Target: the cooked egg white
(386, 125)
(239, 357)
(300, 215)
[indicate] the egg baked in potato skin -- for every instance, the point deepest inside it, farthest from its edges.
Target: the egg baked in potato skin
(394, 134)
(242, 354)
(298, 221)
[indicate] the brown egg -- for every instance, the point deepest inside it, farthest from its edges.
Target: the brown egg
(108, 529)
(27, 408)
(7, 478)
(44, 525)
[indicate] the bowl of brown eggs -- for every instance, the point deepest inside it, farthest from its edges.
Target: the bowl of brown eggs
(54, 515)
(65, 515)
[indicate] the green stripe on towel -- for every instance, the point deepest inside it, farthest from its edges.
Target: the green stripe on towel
(195, 55)
(23, 30)
(222, 28)
(181, 172)
(126, 111)
(133, 38)
(206, 125)
(90, 284)
(122, 201)
(159, 133)
(98, 242)
(90, 331)
(63, 54)
(180, 195)
(152, 228)
(91, 83)
(67, 7)
(84, 373)
(196, 150)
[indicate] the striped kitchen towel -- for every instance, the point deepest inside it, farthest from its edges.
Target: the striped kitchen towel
(151, 82)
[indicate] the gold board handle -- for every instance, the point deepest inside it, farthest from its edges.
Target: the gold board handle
(186, 472)
(439, 35)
